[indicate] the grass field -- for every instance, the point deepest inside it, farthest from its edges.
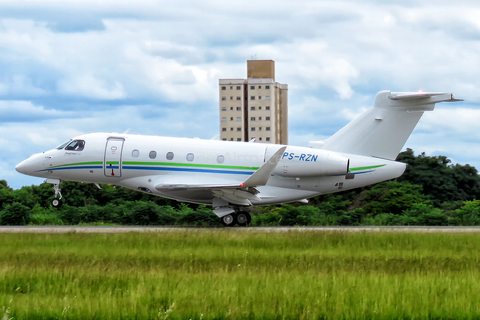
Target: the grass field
(228, 274)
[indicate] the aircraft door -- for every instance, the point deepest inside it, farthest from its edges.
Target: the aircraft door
(113, 157)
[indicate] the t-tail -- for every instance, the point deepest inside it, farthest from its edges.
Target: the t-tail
(382, 130)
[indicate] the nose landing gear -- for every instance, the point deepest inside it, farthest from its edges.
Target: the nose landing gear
(57, 201)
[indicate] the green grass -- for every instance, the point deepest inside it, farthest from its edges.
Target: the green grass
(232, 274)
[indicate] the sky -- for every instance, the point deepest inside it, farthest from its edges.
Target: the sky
(69, 67)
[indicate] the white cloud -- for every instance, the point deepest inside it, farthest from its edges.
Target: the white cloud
(74, 66)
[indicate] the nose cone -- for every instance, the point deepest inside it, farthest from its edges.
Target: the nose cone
(22, 167)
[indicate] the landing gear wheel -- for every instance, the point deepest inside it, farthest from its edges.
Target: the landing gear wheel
(57, 203)
(243, 218)
(229, 220)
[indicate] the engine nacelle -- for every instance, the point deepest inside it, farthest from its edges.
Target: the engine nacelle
(303, 162)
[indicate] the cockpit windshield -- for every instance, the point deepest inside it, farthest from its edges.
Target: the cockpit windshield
(63, 145)
(76, 145)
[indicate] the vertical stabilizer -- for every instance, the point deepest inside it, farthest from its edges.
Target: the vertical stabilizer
(382, 130)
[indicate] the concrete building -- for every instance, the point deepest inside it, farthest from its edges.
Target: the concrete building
(256, 107)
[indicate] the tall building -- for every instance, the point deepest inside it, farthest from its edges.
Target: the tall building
(256, 107)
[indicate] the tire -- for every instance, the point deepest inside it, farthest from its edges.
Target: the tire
(228, 220)
(57, 203)
(243, 218)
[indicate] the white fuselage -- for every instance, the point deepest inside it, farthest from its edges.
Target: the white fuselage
(144, 162)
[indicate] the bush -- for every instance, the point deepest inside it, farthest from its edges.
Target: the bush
(203, 216)
(468, 214)
(15, 214)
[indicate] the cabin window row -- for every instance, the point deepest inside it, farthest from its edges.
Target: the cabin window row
(170, 155)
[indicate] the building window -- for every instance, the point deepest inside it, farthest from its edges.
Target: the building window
(267, 128)
(224, 88)
(224, 108)
(224, 129)
(259, 108)
(152, 154)
(267, 87)
(224, 98)
(231, 108)
(220, 159)
(224, 119)
(259, 118)
(252, 118)
(231, 98)
(267, 108)
(260, 139)
(252, 129)
(239, 129)
(170, 155)
(252, 98)
(231, 118)
(239, 108)
(239, 139)
(259, 128)
(252, 108)
(252, 87)
(259, 97)
(267, 98)
(267, 138)
(231, 139)
(238, 87)
(135, 153)
(267, 118)
(231, 129)
(239, 98)
(224, 139)
(190, 157)
(259, 87)
(239, 118)
(231, 87)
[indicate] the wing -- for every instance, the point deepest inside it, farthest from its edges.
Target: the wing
(230, 191)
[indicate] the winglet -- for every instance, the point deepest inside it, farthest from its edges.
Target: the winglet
(261, 176)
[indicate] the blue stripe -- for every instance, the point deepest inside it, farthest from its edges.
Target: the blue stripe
(187, 170)
(70, 168)
(355, 173)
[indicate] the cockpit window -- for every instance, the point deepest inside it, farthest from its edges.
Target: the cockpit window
(76, 145)
(63, 145)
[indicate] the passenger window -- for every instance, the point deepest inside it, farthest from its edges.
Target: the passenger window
(135, 153)
(220, 159)
(75, 145)
(190, 157)
(170, 156)
(152, 154)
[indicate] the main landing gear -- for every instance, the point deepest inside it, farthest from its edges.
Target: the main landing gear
(240, 218)
(57, 201)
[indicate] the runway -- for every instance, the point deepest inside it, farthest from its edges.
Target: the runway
(145, 229)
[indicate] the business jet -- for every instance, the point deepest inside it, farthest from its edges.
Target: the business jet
(232, 176)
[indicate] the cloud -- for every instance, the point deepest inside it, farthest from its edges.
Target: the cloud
(71, 67)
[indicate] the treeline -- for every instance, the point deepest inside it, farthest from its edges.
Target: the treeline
(432, 192)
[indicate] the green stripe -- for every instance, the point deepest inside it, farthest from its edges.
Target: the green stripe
(366, 168)
(188, 165)
(79, 164)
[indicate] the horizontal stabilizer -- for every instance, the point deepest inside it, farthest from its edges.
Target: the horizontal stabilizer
(438, 96)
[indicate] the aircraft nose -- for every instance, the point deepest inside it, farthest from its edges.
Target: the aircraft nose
(22, 167)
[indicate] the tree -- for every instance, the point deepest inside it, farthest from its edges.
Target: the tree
(440, 179)
(15, 214)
